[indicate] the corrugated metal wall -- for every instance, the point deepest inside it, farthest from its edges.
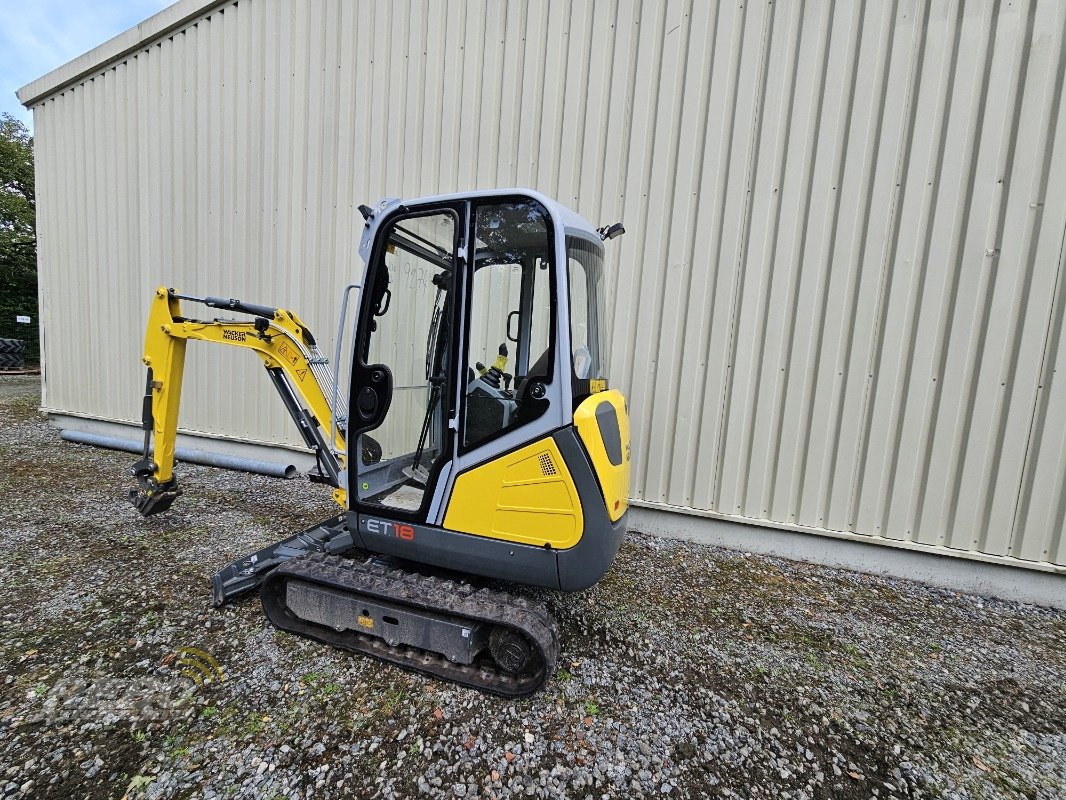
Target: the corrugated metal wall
(840, 304)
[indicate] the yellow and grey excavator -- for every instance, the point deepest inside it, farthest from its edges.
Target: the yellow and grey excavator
(462, 475)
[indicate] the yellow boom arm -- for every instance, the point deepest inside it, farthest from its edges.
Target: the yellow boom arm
(291, 357)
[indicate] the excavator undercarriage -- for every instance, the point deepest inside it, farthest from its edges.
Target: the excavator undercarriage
(446, 628)
(442, 623)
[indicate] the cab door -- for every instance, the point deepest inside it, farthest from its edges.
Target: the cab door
(402, 390)
(509, 479)
(511, 384)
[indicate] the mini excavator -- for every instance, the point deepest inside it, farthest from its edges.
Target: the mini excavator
(463, 477)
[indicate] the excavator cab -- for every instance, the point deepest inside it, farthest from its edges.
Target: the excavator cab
(480, 439)
(479, 391)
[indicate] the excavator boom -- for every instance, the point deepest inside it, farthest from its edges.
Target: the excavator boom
(292, 360)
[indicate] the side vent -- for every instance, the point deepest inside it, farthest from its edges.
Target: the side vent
(547, 467)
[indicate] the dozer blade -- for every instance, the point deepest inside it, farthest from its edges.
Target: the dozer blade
(454, 631)
(247, 573)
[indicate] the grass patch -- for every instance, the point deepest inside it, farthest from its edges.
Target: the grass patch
(394, 698)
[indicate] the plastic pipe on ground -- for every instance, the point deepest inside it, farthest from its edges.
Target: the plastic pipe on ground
(186, 454)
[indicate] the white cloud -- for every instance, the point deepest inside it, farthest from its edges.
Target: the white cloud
(36, 36)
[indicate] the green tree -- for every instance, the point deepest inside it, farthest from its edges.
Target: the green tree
(18, 234)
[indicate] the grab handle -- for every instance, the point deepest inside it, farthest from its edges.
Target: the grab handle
(337, 363)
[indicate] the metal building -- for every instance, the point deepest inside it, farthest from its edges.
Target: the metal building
(839, 309)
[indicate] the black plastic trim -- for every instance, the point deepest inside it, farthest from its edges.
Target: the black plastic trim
(586, 562)
(462, 552)
(607, 422)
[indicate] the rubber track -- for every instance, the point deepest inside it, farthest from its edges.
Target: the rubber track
(428, 593)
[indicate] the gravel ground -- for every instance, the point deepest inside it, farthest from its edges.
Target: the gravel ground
(688, 671)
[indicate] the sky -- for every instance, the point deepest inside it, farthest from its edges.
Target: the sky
(36, 36)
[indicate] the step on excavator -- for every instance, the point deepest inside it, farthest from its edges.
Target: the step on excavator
(453, 478)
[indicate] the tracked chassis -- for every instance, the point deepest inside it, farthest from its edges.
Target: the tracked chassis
(456, 631)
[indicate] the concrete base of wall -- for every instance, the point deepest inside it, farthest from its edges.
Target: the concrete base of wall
(963, 575)
(949, 572)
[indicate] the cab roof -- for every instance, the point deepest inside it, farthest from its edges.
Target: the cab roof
(573, 223)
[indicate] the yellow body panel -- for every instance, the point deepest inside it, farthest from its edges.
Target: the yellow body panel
(527, 497)
(613, 478)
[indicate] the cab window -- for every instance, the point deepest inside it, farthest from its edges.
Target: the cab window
(588, 313)
(510, 351)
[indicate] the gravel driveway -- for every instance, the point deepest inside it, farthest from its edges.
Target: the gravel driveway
(688, 671)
